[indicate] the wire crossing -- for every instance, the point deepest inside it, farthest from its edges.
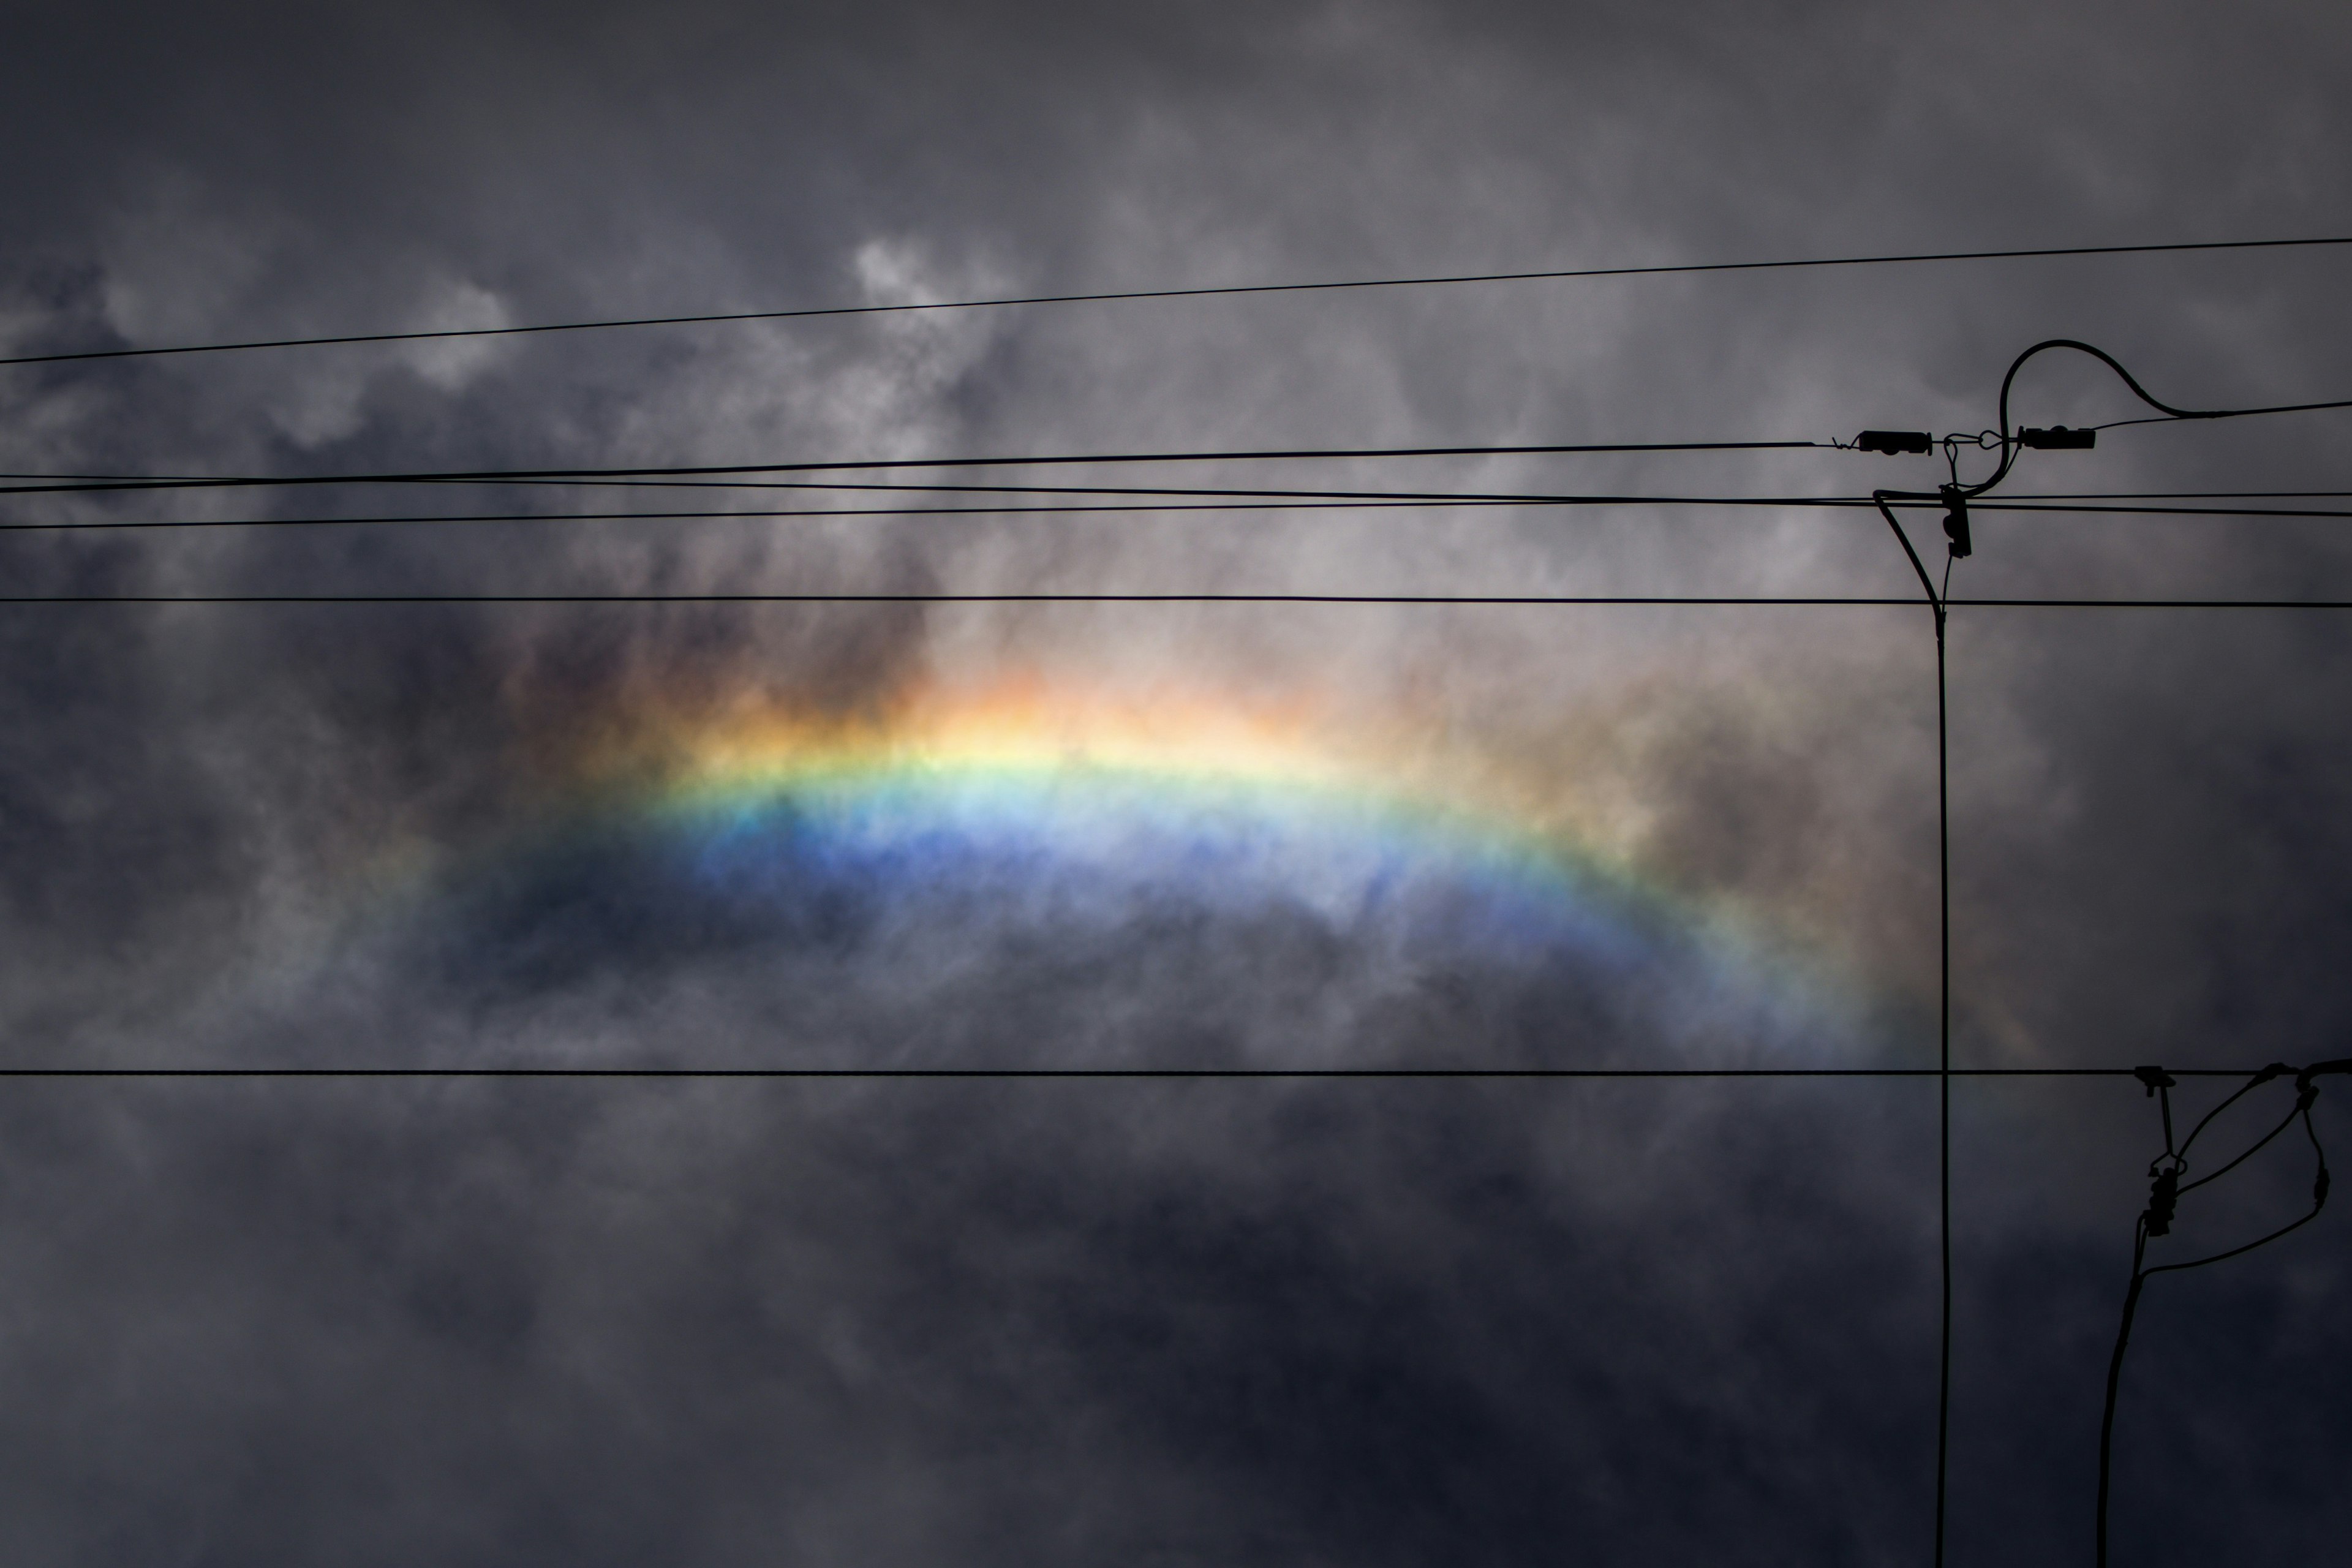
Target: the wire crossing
(2166, 1189)
(1955, 499)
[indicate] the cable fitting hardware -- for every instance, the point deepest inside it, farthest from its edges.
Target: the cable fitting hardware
(1955, 519)
(2154, 1079)
(2163, 1199)
(1893, 442)
(2057, 438)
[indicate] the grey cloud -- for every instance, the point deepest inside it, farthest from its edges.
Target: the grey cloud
(1349, 1324)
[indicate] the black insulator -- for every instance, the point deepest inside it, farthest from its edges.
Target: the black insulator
(2057, 438)
(2163, 1198)
(1894, 441)
(1956, 521)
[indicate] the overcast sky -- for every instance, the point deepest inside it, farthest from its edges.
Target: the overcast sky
(600, 1321)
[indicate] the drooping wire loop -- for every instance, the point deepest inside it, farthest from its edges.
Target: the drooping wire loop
(2165, 1190)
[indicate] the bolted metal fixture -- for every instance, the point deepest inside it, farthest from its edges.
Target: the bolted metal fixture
(2057, 438)
(1956, 521)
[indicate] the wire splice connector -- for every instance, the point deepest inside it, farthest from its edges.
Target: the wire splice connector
(2163, 1200)
(2057, 438)
(2165, 1190)
(1894, 442)
(1956, 521)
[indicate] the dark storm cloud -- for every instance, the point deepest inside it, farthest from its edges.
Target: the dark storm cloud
(264, 1324)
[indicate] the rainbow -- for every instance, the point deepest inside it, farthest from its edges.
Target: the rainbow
(1081, 810)
(1091, 772)
(1228, 800)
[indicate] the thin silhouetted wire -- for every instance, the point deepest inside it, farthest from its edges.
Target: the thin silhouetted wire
(1192, 293)
(167, 523)
(2009, 441)
(677, 1072)
(1342, 501)
(108, 483)
(1532, 600)
(1935, 598)
(2156, 1220)
(1220, 492)
(2248, 1152)
(931, 598)
(1957, 497)
(2168, 419)
(2275, 1070)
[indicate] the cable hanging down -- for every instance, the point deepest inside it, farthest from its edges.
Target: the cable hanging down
(2056, 438)
(2166, 1189)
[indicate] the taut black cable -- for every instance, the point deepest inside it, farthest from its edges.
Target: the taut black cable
(1937, 606)
(1531, 601)
(1340, 502)
(520, 1070)
(69, 485)
(1823, 601)
(1194, 293)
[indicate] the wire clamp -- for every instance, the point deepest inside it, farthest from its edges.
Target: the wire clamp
(2057, 438)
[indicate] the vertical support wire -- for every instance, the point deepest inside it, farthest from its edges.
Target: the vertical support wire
(1943, 1082)
(1944, 1015)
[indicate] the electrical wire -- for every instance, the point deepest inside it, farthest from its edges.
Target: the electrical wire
(1847, 601)
(2009, 441)
(1938, 605)
(1489, 600)
(1192, 293)
(2166, 1190)
(1884, 502)
(1280, 500)
(67, 484)
(673, 1071)
(1956, 497)
(1194, 492)
(2167, 418)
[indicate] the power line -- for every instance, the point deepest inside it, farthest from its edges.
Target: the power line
(1192, 293)
(70, 485)
(2009, 446)
(935, 598)
(2009, 443)
(2165, 1193)
(954, 1073)
(116, 524)
(1937, 598)
(1219, 493)
(1954, 498)
(1338, 501)
(2167, 418)
(1498, 600)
